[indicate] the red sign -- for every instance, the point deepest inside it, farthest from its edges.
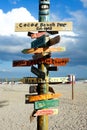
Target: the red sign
(46, 112)
(49, 61)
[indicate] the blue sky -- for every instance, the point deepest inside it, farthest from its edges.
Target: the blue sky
(11, 42)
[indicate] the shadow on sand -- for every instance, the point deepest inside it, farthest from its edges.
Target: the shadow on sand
(4, 103)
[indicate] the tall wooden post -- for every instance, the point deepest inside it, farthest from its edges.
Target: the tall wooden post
(42, 121)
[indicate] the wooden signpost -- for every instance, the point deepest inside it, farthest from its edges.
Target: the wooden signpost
(46, 104)
(42, 58)
(46, 112)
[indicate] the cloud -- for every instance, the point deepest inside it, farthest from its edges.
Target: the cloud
(8, 20)
(12, 43)
(84, 3)
(75, 41)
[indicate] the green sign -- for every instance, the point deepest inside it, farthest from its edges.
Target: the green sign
(46, 104)
(41, 41)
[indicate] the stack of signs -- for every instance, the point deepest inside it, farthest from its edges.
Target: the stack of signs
(41, 48)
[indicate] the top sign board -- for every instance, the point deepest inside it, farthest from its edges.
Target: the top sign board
(43, 26)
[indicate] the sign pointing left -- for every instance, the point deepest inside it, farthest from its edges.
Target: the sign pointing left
(43, 50)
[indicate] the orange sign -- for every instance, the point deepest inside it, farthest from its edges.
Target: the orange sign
(43, 97)
(42, 50)
(49, 61)
(46, 112)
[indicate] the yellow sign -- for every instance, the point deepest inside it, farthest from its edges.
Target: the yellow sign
(43, 26)
(43, 50)
(43, 97)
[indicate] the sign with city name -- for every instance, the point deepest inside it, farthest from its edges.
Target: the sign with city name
(51, 80)
(43, 50)
(43, 26)
(48, 61)
(46, 104)
(46, 112)
(38, 72)
(42, 97)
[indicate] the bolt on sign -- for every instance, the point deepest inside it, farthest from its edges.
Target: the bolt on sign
(46, 104)
(43, 50)
(46, 112)
(43, 26)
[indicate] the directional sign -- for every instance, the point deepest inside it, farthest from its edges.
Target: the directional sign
(56, 80)
(49, 61)
(43, 26)
(51, 80)
(53, 41)
(36, 35)
(38, 72)
(41, 41)
(43, 50)
(46, 112)
(33, 89)
(32, 80)
(46, 104)
(42, 97)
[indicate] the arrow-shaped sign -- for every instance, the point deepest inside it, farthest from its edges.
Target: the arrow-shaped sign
(38, 72)
(46, 104)
(46, 112)
(42, 97)
(43, 50)
(49, 61)
(41, 41)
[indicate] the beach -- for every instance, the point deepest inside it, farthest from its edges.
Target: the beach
(15, 114)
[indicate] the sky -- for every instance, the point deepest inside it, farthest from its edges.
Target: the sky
(12, 43)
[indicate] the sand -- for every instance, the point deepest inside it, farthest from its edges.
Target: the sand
(15, 114)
